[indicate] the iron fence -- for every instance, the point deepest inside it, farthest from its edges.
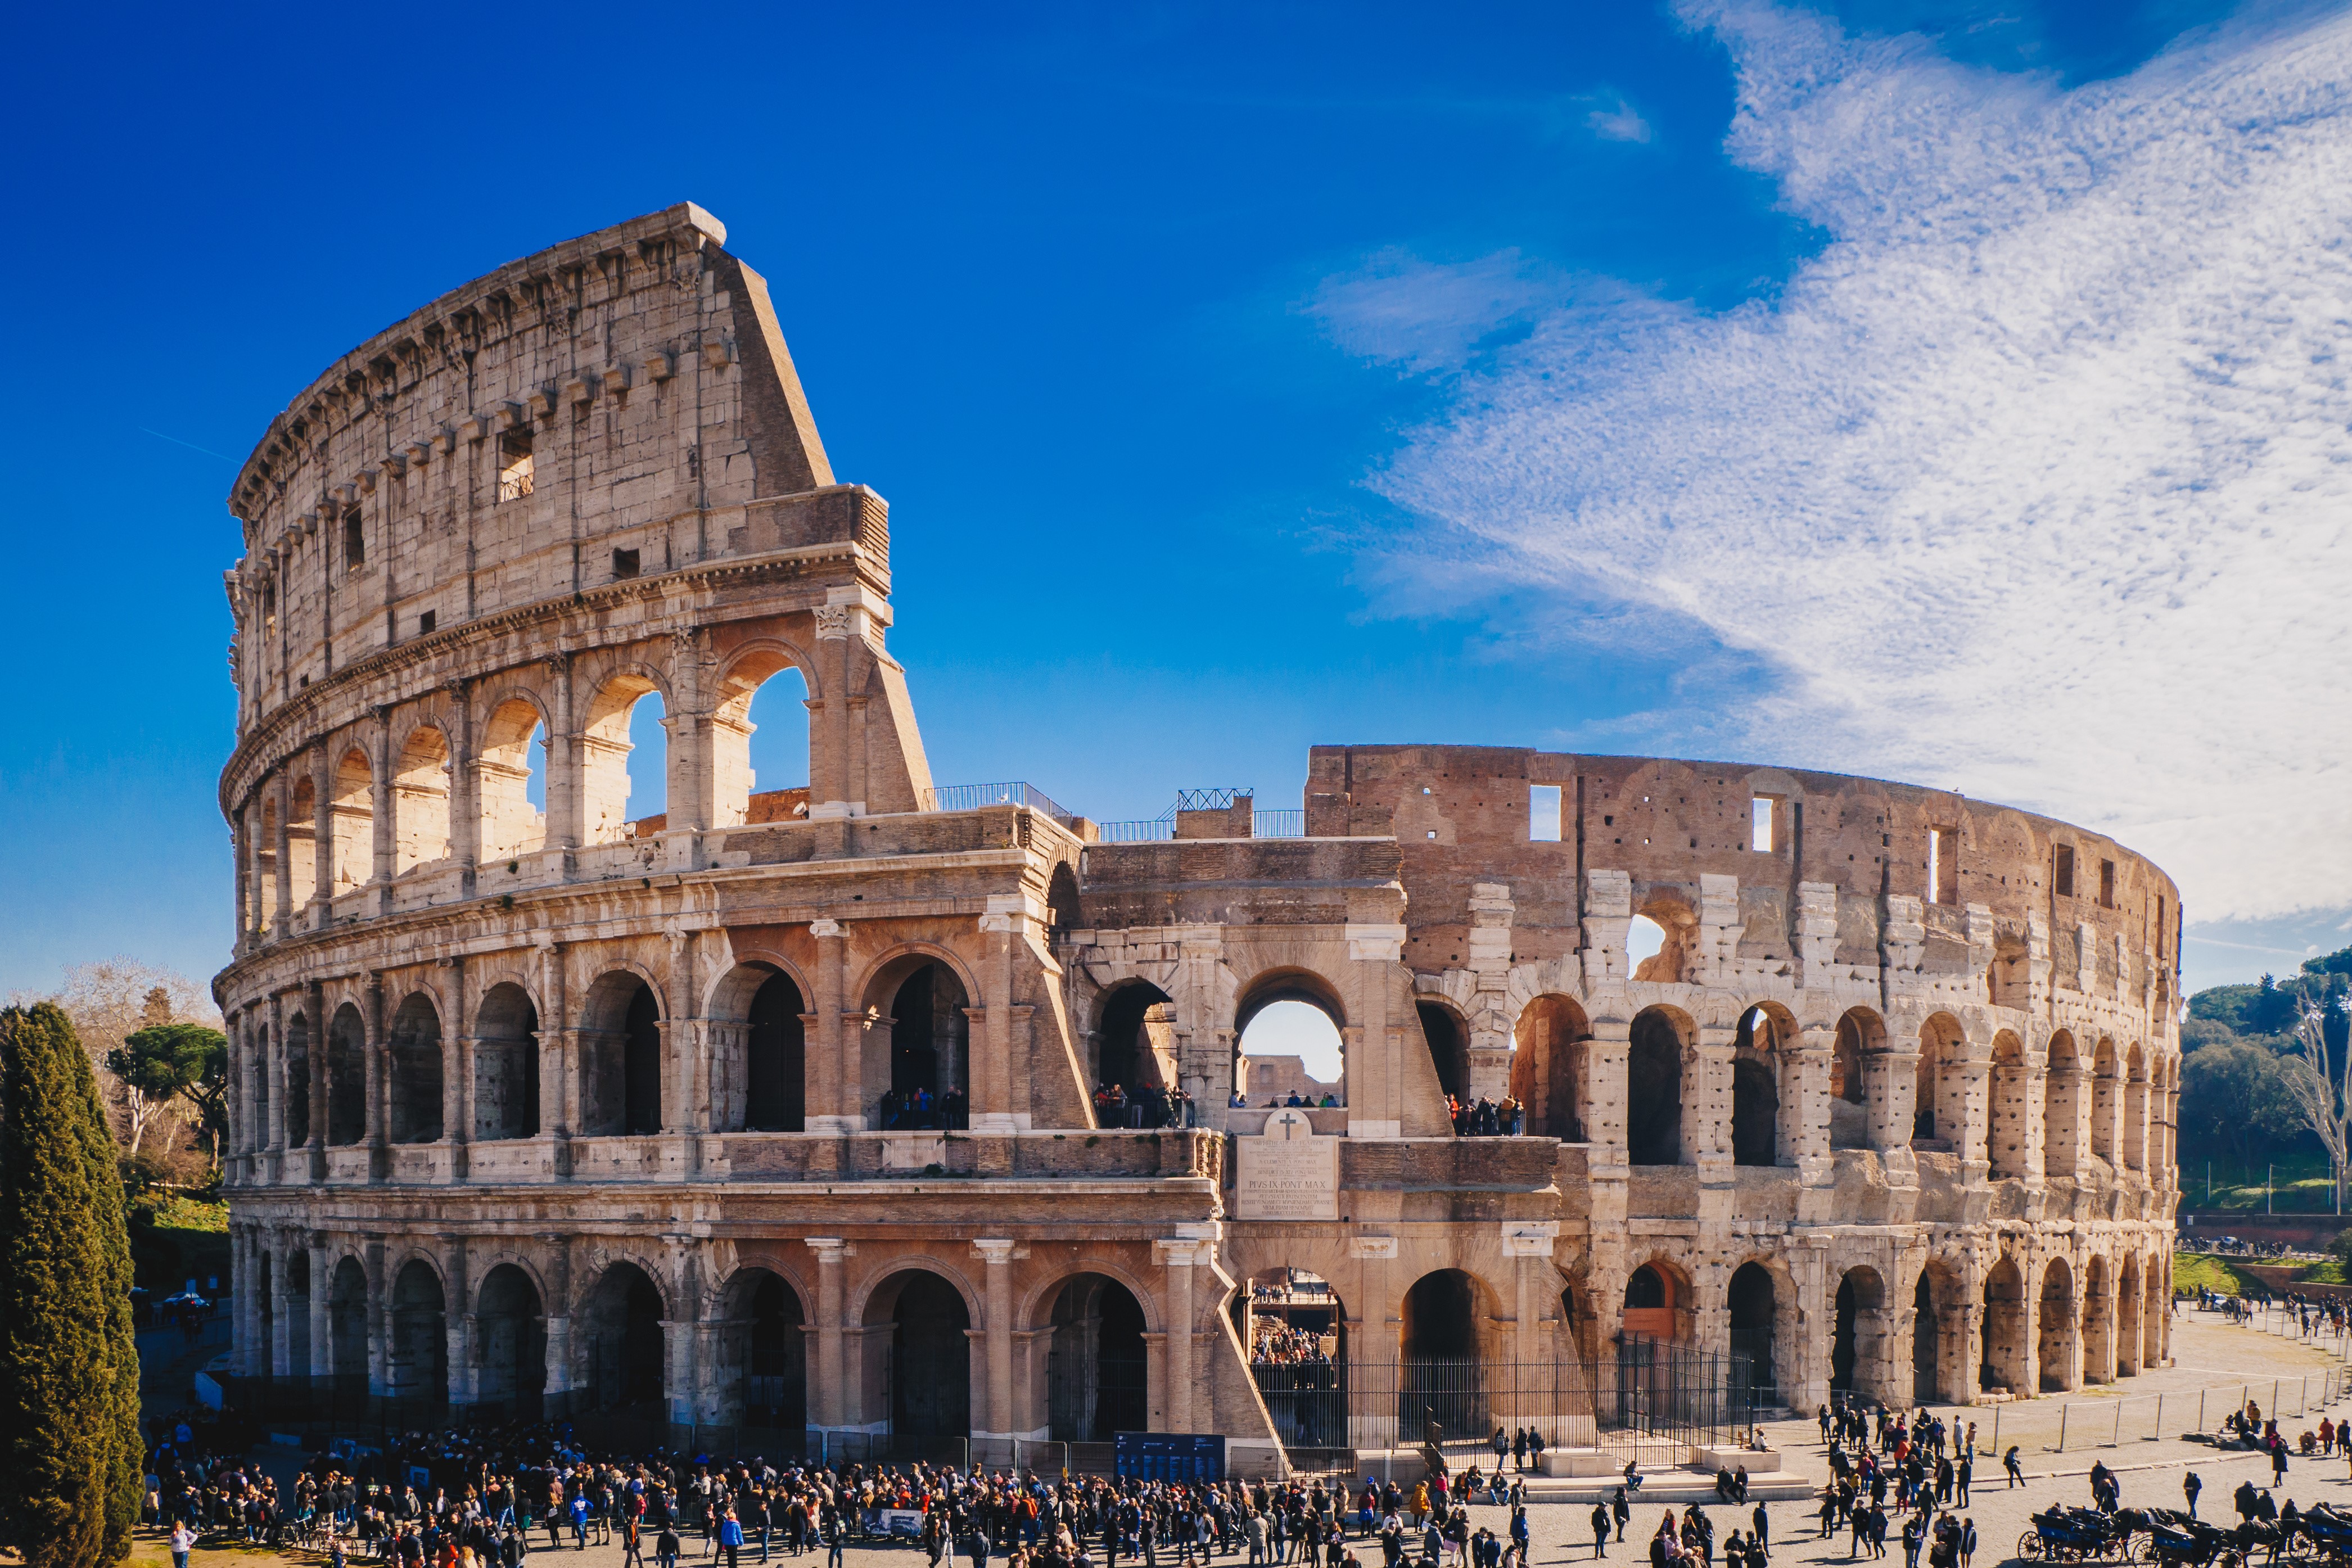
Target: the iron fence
(1160, 830)
(972, 797)
(1652, 1401)
(1280, 824)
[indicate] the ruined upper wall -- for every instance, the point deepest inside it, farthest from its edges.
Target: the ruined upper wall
(609, 407)
(1461, 815)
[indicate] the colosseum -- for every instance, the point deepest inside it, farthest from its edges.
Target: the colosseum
(783, 1109)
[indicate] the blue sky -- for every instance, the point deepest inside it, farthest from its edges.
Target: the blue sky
(1940, 391)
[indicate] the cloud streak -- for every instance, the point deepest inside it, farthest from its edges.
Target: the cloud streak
(2034, 482)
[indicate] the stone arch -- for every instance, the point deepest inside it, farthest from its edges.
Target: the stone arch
(1065, 908)
(621, 1054)
(2059, 1341)
(1939, 1357)
(2009, 1142)
(2098, 1323)
(916, 1061)
(1659, 1046)
(1550, 1051)
(2006, 1359)
(2106, 1100)
(1761, 1308)
(346, 1350)
(2128, 1291)
(506, 1063)
(760, 1374)
(1859, 1331)
(420, 798)
(1291, 983)
(746, 669)
(601, 751)
(1089, 1377)
(2062, 1107)
(297, 1080)
(1134, 1040)
(1445, 1033)
(509, 825)
(919, 1376)
(1661, 1300)
(621, 1332)
(414, 1046)
(1762, 1080)
(1860, 1035)
(1938, 1114)
(510, 1342)
(346, 1076)
(417, 1362)
(302, 842)
(1444, 1330)
(758, 1023)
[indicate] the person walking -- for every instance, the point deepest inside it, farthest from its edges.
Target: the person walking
(730, 1538)
(2016, 1471)
(1763, 1523)
(184, 1541)
(1621, 1510)
(2190, 1485)
(665, 1545)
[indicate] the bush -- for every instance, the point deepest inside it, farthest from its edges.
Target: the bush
(2341, 1246)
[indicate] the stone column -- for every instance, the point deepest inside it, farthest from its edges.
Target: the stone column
(322, 1322)
(566, 782)
(1178, 1256)
(1970, 1074)
(1890, 1081)
(281, 845)
(283, 1305)
(379, 1324)
(1489, 961)
(836, 1098)
(457, 1323)
(314, 1008)
(992, 1060)
(385, 852)
(465, 786)
(829, 712)
(1805, 1115)
(457, 1072)
(830, 1407)
(1604, 1098)
(322, 834)
(1707, 1097)
(559, 1082)
(999, 1255)
(274, 1067)
(378, 1057)
(557, 1394)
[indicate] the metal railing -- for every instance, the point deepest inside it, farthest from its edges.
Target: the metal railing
(2109, 1423)
(1157, 831)
(1289, 824)
(1014, 792)
(1208, 799)
(1653, 1401)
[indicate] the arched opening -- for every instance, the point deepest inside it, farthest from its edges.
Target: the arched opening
(1548, 1048)
(930, 1054)
(2004, 1361)
(760, 741)
(506, 1064)
(648, 767)
(297, 1300)
(1654, 1091)
(1859, 1036)
(1288, 1030)
(302, 842)
(621, 1058)
(2009, 1142)
(346, 1076)
(1925, 1340)
(919, 1370)
(1295, 1329)
(2062, 1109)
(258, 1079)
(2055, 1318)
(1440, 1381)
(1065, 911)
(762, 1358)
(2107, 1102)
(1855, 1344)
(1754, 1091)
(417, 1369)
(262, 883)
(510, 1346)
(297, 1082)
(2155, 1318)
(775, 1064)
(1449, 1048)
(622, 1348)
(265, 1293)
(1095, 1363)
(2128, 1316)
(347, 1335)
(513, 741)
(415, 1047)
(353, 818)
(1135, 1053)
(1937, 1114)
(608, 784)
(1655, 943)
(1753, 1308)
(420, 801)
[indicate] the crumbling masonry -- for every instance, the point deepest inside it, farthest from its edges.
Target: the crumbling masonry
(538, 1107)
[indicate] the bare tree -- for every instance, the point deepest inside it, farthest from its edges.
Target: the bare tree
(2321, 1089)
(108, 1001)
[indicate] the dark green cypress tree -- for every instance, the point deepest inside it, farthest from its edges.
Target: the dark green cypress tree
(70, 1448)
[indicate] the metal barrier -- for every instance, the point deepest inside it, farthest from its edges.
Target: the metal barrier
(2144, 1419)
(972, 797)
(1281, 824)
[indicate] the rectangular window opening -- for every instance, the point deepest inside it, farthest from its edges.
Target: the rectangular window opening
(2063, 881)
(2159, 926)
(1759, 824)
(625, 563)
(2106, 884)
(1543, 813)
(425, 624)
(514, 463)
(354, 541)
(1943, 865)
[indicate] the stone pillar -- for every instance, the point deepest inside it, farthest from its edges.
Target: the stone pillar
(457, 1072)
(829, 1408)
(566, 781)
(378, 1057)
(458, 1324)
(283, 1305)
(322, 1322)
(829, 715)
(1805, 1113)
(1004, 926)
(1969, 1073)
(1604, 1098)
(559, 1081)
(314, 1008)
(835, 1099)
(1707, 1097)
(465, 786)
(2135, 1138)
(999, 1255)
(379, 1324)
(557, 1394)
(383, 852)
(1890, 1082)
(288, 919)
(1178, 1256)
(322, 834)
(274, 1067)
(1489, 962)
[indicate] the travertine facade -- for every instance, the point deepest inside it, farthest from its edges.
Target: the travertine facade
(547, 1107)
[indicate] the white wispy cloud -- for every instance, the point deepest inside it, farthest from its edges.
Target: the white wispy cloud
(2036, 481)
(1425, 316)
(1618, 122)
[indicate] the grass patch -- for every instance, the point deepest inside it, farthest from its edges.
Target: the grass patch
(2328, 1272)
(2199, 1271)
(176, 1239)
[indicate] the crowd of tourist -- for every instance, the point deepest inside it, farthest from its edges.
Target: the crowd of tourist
(910, 1110)
(1485, 1118)
(1917, 1462)
(1274, 1342)
(1148, 1107)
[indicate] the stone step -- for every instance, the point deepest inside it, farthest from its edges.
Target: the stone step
(1669, 1489)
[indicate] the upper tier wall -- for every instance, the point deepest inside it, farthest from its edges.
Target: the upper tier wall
(605, 408)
